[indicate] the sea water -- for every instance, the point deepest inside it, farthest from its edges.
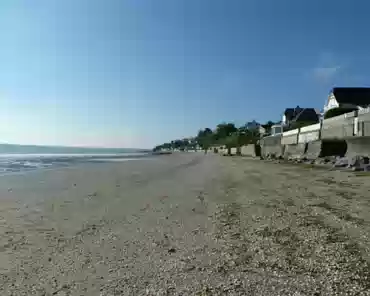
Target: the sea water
(19, 158)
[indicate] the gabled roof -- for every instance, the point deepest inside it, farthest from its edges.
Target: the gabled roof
(359, 96)
(307, 115)
(291, 113)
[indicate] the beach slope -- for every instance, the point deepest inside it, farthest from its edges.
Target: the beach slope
(185, 224)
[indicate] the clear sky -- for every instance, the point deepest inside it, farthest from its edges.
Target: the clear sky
(135, 73)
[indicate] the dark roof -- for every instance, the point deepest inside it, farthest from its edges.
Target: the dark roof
(291, 113)
(307, 115)
(359, 96)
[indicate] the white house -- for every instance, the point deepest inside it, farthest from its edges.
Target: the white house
(348, 97)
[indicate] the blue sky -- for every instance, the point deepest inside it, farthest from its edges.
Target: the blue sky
(135, 73)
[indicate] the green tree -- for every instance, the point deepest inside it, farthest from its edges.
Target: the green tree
(224, 130)
(225, 134)
(247, 136)
(232, 141)
(204, 138)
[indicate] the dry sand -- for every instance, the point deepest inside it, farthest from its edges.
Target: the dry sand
(185, 224)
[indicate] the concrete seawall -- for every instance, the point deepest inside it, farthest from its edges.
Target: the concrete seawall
(333, 128)
(316, 149)
(317, 140)
(251, 150)
(343, 135)
(359, 146)
(234, 151)
(309, 133)
(334, 147)
(291, 148)
(294, 151)
(313, 150)
(271, 147)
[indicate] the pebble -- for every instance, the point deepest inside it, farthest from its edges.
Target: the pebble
(172, 250)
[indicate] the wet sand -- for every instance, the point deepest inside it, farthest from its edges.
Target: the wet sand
(185, 224)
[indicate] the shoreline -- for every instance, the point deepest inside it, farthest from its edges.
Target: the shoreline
(80, 165)
(24, 163)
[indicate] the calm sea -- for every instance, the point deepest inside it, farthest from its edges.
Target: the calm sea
(19, 158)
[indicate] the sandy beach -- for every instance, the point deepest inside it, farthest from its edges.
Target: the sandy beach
(185, 224)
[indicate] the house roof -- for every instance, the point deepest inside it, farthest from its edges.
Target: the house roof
(307, 115)
(291, 113)
(252, 123)
(359, 96)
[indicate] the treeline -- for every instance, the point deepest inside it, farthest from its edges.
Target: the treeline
(225, 134)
